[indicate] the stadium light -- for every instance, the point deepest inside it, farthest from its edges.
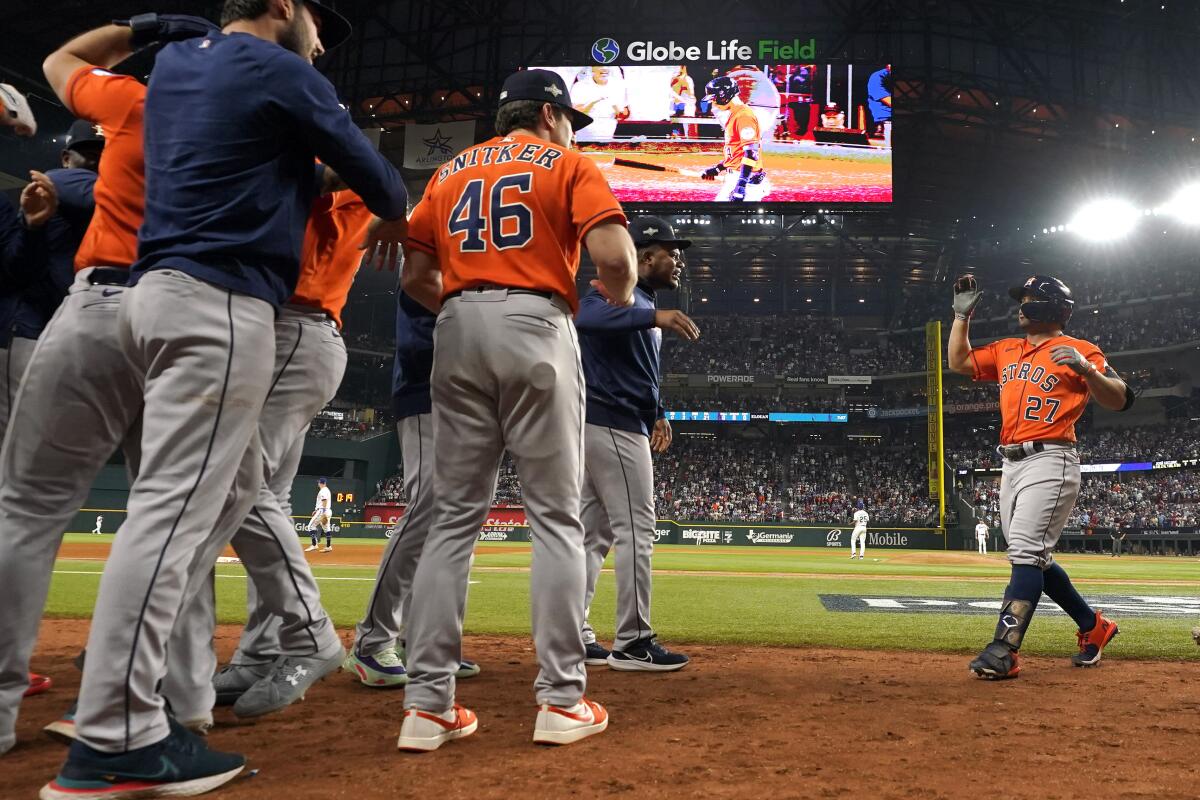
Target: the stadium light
(1105, 220)
(1185, 205)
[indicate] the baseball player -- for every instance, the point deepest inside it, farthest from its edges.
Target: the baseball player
(198, 323)
(99, 529)
(625, 421)
(377, 657)
(321, 517)
(858, 536)
(1046, 380)
(981, 536)
(493, 247)
(745, 179)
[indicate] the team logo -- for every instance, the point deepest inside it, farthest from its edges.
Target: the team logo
(554, 90)
(605, 51)
(438, 145)
(650, 231)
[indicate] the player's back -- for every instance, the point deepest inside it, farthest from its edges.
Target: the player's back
(511, 212)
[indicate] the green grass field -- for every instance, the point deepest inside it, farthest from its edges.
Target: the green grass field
(762, 596)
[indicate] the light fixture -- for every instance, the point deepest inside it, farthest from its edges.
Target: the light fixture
(1105, 220)
(1185, 205)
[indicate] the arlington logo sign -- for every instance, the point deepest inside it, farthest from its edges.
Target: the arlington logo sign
(605, 51)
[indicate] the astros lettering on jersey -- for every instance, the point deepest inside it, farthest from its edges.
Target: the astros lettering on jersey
(1039, 399)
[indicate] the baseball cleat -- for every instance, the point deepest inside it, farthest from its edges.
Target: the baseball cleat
(232, 681)
(997, 662)
(310, 548)
(1092, 643)
(383, 670)
(289, 678)
(558, 725)
(466, 667)
(423, 731)
(646, 655)
(596, 656)
(62, 730)
(180, 765)
(37, 684)
(326, 549)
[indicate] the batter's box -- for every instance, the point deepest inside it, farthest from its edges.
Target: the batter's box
(1123, 605)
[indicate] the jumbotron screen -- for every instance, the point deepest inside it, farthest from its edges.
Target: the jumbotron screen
(769, 133)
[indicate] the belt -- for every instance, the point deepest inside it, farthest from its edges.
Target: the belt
(1019, 452)
(510, 290)
(108, 276)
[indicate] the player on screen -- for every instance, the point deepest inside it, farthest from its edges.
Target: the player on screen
(745, 180)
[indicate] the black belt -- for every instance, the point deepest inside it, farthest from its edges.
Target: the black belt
(534, 292)
(1018, 452)
(108, 276)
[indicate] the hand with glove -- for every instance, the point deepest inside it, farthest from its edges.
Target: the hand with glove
(149, 29)
(1070, 357)
(712, 172)
(15, 112)
(967, 295)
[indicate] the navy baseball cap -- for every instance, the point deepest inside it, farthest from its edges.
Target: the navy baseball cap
(647, 230)
(84, 132)
(545, 86)
(322, 480)
(335, 29)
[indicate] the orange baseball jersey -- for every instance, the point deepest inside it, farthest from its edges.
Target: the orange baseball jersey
(114, 102)
(1039, 399)
(329, 257)
(512, 212)
(740, 130)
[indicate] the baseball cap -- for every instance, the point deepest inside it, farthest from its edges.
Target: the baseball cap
(544, 86)
(647, 230)
(322, 480)
(84, 132)
(335, 29)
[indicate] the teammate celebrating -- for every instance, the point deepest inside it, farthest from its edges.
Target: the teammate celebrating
(859, 535)
(981, 534)
(1045, 382)
(745, 179)
(322, 515)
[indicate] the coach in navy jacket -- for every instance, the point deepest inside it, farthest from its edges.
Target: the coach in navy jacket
(625, 421)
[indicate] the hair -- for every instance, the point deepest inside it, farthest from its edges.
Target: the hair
(525, 114)
(234, 10)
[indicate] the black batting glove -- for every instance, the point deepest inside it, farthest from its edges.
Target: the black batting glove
(711, 173)
(152, 28)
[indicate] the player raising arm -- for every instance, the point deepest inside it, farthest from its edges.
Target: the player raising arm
(1045, 382)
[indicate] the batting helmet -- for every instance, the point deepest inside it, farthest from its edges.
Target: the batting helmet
(1053, 303)
(722, 89)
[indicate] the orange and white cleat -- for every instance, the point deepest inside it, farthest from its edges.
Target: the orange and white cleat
(1092, 643)
(38, 684)
(558, 725)
(423, 731)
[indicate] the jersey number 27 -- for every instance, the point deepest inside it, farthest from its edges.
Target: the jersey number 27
(508, 224)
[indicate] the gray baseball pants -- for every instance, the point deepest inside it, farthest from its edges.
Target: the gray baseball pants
(618, 507)
(506, 375)
(204, 358)
(285, 615)
(1037, 495)
(72, 412)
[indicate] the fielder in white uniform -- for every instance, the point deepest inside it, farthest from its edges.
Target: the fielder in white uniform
(858, 538)
(99, 525)
(981, 534)
(321, 517)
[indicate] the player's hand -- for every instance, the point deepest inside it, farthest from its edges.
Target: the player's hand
(711, 173)
(739, 192)
(166, 28)
(967, 295)
(383, 240)
(1070, 357)
(671, 320)
(660, 437)
(39, 200)
(608, 297)
(15, 112)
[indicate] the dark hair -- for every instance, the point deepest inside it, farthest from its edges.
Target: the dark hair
(522, 114)
(234, 10)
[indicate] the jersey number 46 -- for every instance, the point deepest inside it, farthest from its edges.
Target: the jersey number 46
(508, 224)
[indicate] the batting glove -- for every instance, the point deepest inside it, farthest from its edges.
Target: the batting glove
(711, 173)
(150, 28)
(1070, 357)
(967, 295)
(15, 112)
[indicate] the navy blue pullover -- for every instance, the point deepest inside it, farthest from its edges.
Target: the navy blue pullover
(414, 358)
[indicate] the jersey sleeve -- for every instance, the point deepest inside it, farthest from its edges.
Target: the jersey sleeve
(592, 201)
(421, 234)
(983, 359)
(103, 97)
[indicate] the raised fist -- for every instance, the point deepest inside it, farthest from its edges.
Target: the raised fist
(967, 295)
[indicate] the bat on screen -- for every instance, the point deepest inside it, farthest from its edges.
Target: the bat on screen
(626, 162)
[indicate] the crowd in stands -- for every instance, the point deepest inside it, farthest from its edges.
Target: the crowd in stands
(969, 448)
(355, 424)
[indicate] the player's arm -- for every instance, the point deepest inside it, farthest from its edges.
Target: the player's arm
(966, 298)
(600, 318)
(421, 279)
(612, 251)
(1102, 380)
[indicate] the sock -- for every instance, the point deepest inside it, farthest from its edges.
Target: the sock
(329, 541)
(1060, 589)
(1020, 601)
(314, 540)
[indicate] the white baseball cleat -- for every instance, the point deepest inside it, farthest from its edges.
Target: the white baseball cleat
(310, 548)
(423, 731)
(558, 725)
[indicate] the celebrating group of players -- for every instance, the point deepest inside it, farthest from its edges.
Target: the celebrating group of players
(201, 334)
